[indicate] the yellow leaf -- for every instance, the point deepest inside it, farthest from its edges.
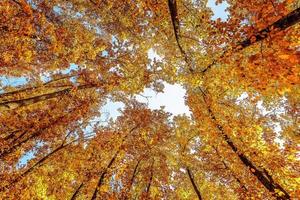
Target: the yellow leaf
(104, 188)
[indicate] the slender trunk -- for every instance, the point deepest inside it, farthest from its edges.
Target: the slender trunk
(13, 104)
(37, 164)
(18, 3)
(14, 147)
(10, 135)
(191, 177)
(265, 180)
(30, 89)
(175, 22)
(134, 174)
(235, 177)
(15, 139)
(289, 20)
(283, 23)
(102, 176)
(74, 196)
(150, 180)
(227, 168)
(132, 178)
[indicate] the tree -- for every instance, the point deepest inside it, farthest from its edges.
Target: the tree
(242, 81)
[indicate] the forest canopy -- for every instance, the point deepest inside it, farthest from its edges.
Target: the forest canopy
(62, 61)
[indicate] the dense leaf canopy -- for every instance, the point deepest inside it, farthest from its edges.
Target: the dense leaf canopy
(241, 77)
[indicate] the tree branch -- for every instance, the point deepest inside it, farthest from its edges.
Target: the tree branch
(285, 22)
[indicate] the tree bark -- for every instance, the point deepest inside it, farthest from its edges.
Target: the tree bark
(289, 20)
(13, 104)
(232, 173)
(150, 180)
(102, 176)
(193, 183)
(74, 196)
(175, 22)
(30, 89)
(132, 179)
(285, 22)
(37, 164)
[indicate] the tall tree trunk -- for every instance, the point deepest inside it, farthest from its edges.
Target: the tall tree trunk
(283, 23)
(104, 172)
(175, 22)
(191, 177)
(102, 176)
(74, 196)
(37, 164)
(13, 104)
(266, 180)
(132, 179)
(44, 85)
(232, 173)
(15, 146)
(150, 180)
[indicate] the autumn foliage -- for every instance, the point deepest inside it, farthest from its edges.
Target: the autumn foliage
(241, 77)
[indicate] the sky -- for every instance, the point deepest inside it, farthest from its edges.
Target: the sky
(172, 99)
(219, 10)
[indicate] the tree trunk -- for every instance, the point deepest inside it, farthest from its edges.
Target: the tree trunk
(232, 173)
(37, 164)
(150, 180)
(281, 24)
(191, 177)
(285, 22)
(30, 89)
(59, 120)
(265, 180)
(76, 192)
(102, 176)
(13, 104)
(175, 22)
(132, 179)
